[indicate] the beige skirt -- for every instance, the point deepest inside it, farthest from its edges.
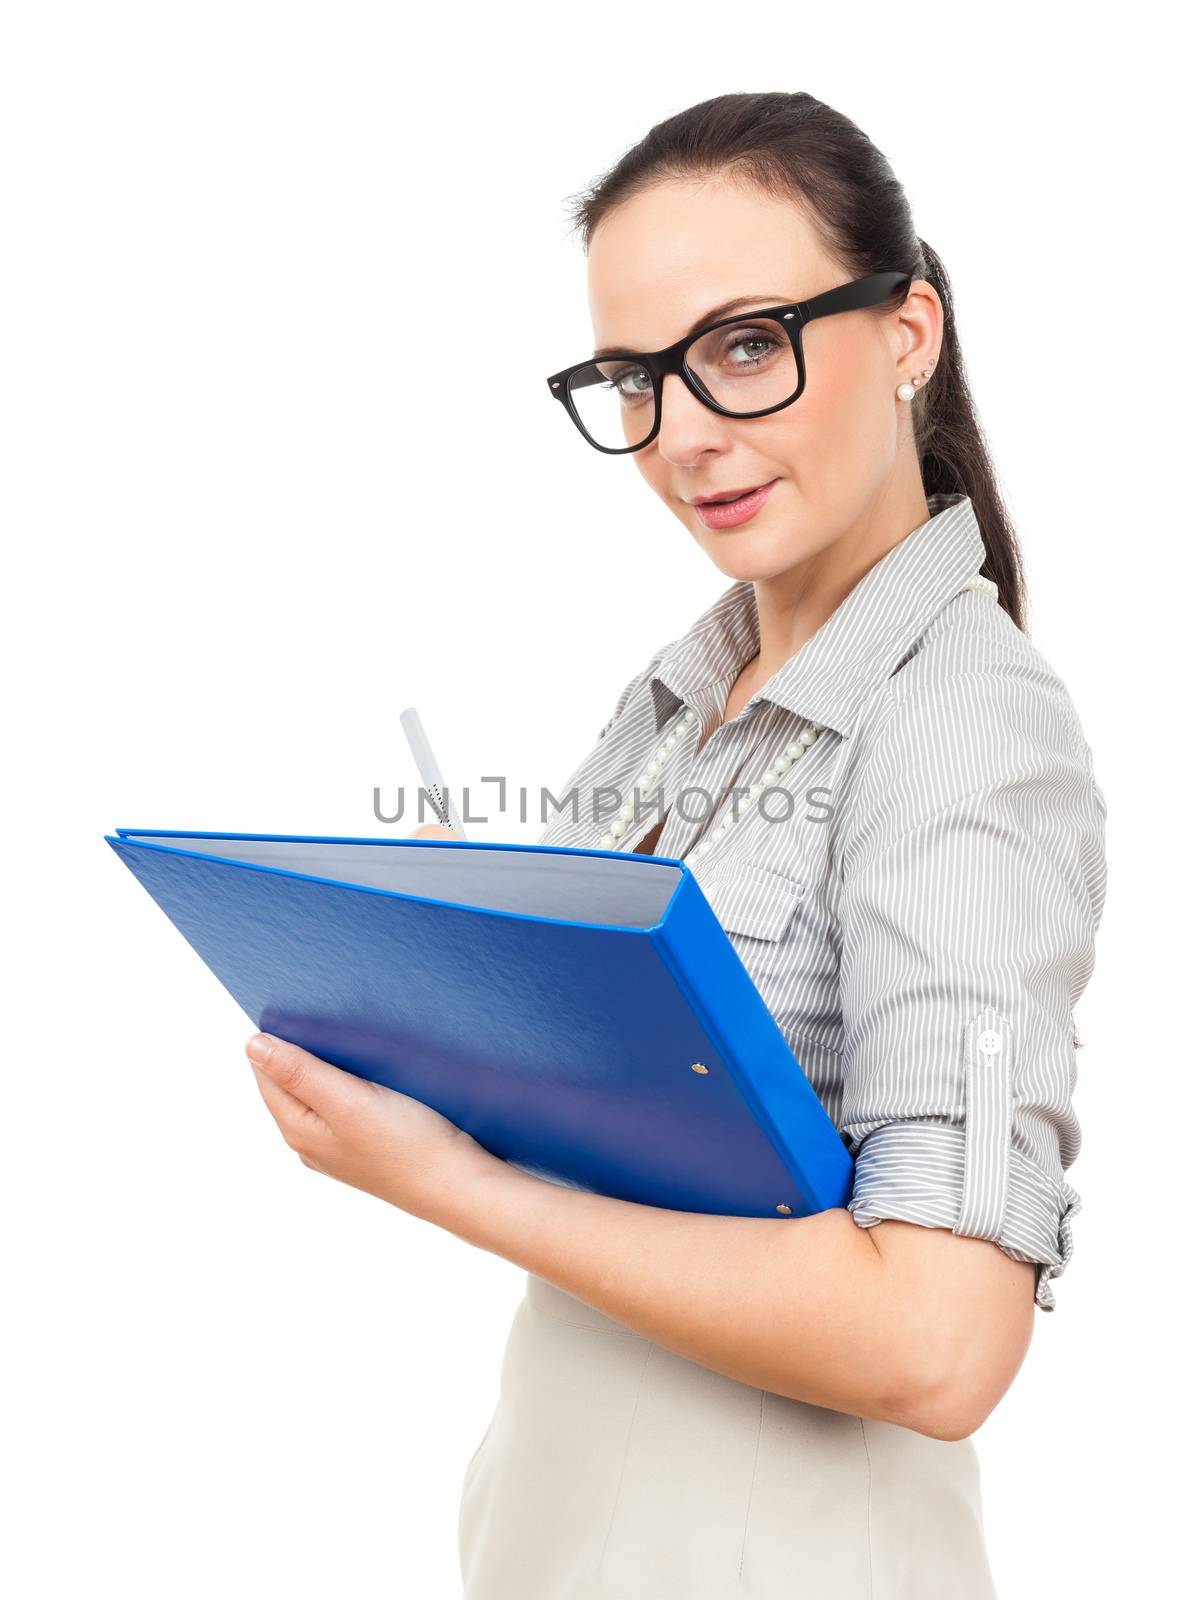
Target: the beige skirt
(615, 1468)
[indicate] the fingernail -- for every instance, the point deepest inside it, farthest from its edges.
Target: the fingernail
(259, 1048)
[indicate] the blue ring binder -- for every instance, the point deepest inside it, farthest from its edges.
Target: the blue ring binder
(550, 1001)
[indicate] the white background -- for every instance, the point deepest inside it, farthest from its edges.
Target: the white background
(280, 285)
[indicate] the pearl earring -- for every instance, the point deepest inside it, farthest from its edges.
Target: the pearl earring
(907, 390)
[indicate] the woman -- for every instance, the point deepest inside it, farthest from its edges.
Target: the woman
(702, 1405)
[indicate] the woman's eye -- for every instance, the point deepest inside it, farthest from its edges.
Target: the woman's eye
(632, 383)
(752, 348)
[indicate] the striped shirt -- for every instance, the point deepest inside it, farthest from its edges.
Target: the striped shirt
(915, 896)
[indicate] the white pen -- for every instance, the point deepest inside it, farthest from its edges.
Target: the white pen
(431, 777)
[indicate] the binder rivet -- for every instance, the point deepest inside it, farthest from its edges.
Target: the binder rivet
(784, 1211)
(698, 1066)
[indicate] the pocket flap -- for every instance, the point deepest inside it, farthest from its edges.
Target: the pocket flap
(753, 901)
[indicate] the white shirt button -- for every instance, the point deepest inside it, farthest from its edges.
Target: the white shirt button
(989, 1041)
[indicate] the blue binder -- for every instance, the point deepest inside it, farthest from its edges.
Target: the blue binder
(581, 1013)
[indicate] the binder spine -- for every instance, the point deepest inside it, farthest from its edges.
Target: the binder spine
(708, 969)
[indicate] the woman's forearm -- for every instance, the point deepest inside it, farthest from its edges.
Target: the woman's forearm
(908, 1324)
(808, 1308)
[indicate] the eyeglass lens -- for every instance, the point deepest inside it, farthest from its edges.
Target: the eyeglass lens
(745, 367)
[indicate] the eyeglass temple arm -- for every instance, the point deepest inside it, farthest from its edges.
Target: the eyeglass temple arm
(869, 291)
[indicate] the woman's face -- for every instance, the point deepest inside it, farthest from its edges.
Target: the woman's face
(841, 452)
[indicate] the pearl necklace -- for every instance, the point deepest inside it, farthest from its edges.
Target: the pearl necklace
(791, 753)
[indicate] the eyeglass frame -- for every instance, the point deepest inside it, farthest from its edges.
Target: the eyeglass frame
(858, 295)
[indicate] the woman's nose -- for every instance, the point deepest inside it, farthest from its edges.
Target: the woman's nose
(687, 426)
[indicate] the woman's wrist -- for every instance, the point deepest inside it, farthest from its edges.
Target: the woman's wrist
(463, 1189)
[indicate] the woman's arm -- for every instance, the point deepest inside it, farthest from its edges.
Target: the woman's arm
(904, 1323)
(899, 1322)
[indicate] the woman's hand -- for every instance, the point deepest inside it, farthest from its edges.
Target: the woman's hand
(362, 1133)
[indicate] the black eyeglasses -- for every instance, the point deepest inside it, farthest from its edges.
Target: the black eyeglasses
(743, 366)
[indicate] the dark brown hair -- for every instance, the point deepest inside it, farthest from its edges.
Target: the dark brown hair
(795, 146)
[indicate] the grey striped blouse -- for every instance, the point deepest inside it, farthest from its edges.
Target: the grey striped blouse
(916, 896)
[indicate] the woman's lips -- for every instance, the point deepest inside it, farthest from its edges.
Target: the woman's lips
(733, 512)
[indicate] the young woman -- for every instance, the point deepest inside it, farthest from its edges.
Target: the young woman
(708, 1406)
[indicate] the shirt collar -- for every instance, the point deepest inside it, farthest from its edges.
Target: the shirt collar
(861, 641)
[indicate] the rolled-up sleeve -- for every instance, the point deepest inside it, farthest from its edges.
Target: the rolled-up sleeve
(973, 881)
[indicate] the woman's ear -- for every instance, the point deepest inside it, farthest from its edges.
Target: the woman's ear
(918, 322)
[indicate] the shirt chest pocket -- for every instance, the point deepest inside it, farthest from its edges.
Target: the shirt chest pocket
(780, 926)
(752, 902)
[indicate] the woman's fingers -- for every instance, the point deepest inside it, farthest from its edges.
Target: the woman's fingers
(294, 1074)
(302, 1128)
(361, 1132)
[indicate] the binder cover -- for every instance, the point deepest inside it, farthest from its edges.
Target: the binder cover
(556, 1003)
